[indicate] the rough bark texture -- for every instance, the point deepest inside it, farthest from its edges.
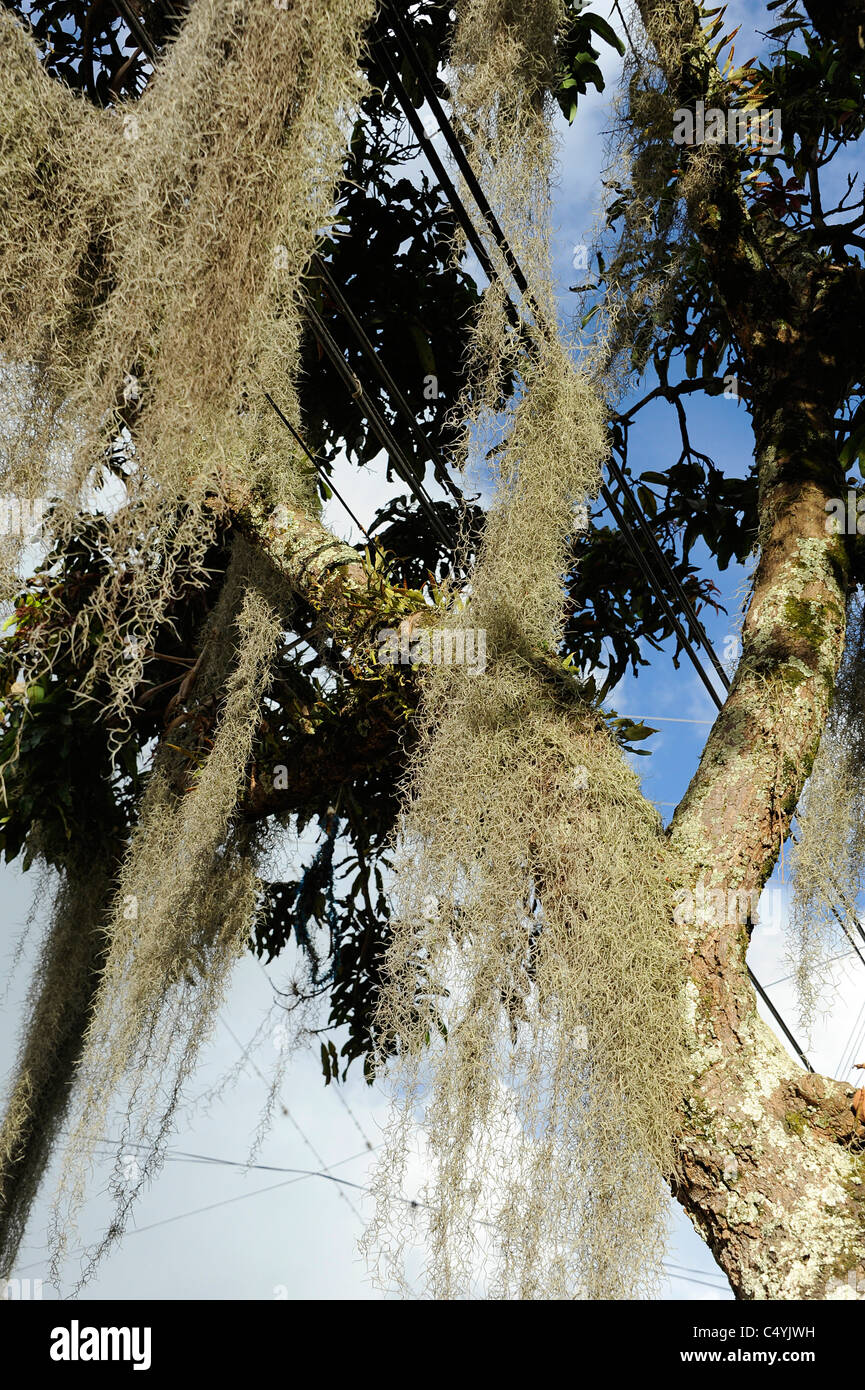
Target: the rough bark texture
(771, 1159)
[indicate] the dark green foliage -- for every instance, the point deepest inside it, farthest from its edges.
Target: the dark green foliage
(578, 57)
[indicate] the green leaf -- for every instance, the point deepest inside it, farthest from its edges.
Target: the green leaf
(605, 31)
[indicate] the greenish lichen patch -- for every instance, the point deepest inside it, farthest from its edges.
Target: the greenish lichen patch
(806, 618)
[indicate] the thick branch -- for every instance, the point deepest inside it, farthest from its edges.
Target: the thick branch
(770, 1160)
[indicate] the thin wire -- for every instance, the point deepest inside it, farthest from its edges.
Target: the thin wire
(667, 719)
(655, 584)
(302, 1175)
(381, 428)
(394, 450)
(409, 51)
(669, 573)
(355, 1121)
(637, 55)
(444, 178)
(286, 1112)
(454, 145)
(369, 352)
(686, 1269)
(317, 466)
(845, 955)
(689, 1279)
(779, 1020)
(850, 1047)
(847, 932)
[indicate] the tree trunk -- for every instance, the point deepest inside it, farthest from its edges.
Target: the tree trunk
(771, 1158)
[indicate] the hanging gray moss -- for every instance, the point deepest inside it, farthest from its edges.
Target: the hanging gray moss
(60, 999)
(533, 988)
(151, 259)
(182, 913)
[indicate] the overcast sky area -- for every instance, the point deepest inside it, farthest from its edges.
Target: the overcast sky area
(210, 1227)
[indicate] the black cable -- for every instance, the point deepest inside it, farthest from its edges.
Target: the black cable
(779, 1020)
(684, 601)
(847, 932)
(379, 424)
(444, 178)
(637, 55)
(369, 352)
(673, 618)
(445, 125)
(315, 463)
(409, 51)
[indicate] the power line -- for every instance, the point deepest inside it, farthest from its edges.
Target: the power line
(689, 1279)
(394, 450)
(851, 1047)
(314, 461)
(653, 582)
(618, 10)
(442, 175)
(378, 366)
(355, 1121)
(667, 719)
(301, 1174)
(655, 550)
(288, 1115)
(686, 1269)
(378, 423)
(453, 144)
(845, 955)
(409, 51)
(779, 1020)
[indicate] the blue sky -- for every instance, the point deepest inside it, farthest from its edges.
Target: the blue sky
(211, 1230)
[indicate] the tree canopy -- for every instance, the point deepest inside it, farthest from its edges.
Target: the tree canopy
(244, 700)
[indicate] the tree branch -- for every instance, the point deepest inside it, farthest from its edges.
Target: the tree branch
(770, 1162)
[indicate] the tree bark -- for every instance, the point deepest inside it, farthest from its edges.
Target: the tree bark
(771, 1158)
